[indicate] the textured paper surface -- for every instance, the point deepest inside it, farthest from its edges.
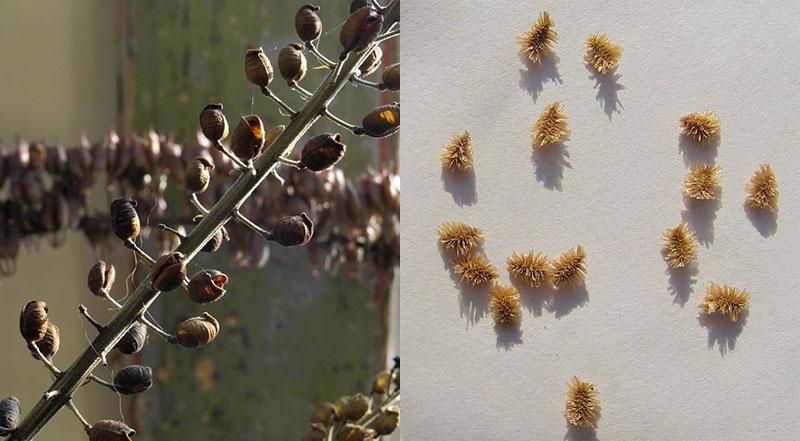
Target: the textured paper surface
(634, 331)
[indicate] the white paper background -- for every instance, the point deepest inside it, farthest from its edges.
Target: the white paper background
(662, 373)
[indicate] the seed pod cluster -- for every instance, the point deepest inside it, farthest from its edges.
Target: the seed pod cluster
(197, 331)
(322, 152)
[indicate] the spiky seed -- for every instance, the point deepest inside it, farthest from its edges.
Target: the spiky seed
(725, 300)
(457, 155)
(701, 183)
(570, 268)
(700, 126)
(531, 268)
(551, 126)
(459, 237)
(539, 39)
(505, 306)
(680, 246)
(475, 270)
(762, 190)
(582, 404)
(601, 53)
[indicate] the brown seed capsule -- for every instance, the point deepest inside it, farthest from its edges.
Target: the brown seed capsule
(207, 286)
(216, 241)
(352, 432)
(307, 23)
(124, 219)
(316, 432)
(293, 230)
(248, 137)
(110, 430)
(351, 408)
(391, 77)
(360, 30)
(134, 340)
(272, 135)
(213, 122)
(322, 152)
(382, 121)
(168, 272)
(324, 414)
(372, 61)
(197, 331)
(133, 379)
(51, 342)
(292, 63)
(10, 410)
(257, 67)
(101, 278)
(198, 174)
(386, 422)
(381, 382)
(33, 321)
(355, 5)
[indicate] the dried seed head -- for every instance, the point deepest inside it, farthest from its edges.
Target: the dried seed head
(475, 270)
(213, 122)
(216, 241)
(134, 340)
(324, 414)
(272, 135)
(459, 237)
(539, 39)
(10, 410)
(352, 432)
(307, 23)
(101, 278)
(531, 268)
(360, 30)
(386, 422)
(381, 382)
(457, 155)
(110, 430)
(762, 190)
(293, 230)
(322, 152)
(505, 306)
(371, 63)
(601, 53)
(198, 174)
(257, 67)
(168, 272)
(725, 300)
(248, 137)
(570, 268)
(351, 408)
(551, 126)
(51, 342)
(701, 183)
(382, 121)
(700, 126)
(680, 246)
(390, 79)
(197, 331)
(292, 62)
(133, 379)
(124, 219)
(316, 432)
(583, 408)
(33, 321)
(207, 286)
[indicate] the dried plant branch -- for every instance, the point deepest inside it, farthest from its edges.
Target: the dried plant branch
(570, 268)
(701, 126)
(762, 190)
(701, 182)
(680, 246)
(540, 39)
(551, 126)
(601, 53)
(726, 300)
(457, 154)
(583, 407)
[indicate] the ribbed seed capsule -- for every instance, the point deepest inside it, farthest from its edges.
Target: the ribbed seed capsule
(391, 77)
(110, 430)
(207, 286)
(51, 342)
(133, 379)
(101, 278)
(382, 121)
(168, 272)
(248, 137)
(257, 67)
(124, 219)
(134, 340)
(386, 422)
(292, 63)
(33, 321)
(198, 174)
(381, 382)
(10, 410)
(372, 61)
(213, 122)
(197, 331)
(351, 408)
(322, 152)
(307, 23)
(360, 30)
(293, 230)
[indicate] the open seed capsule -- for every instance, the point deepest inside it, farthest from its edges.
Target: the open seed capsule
(207, 286)
(168, 272)
(10, 410)
(110, 430)
(33, 321)
(307, 23)
(293, 230)
(133, 379)
(198, 174)
(360, 30)
(322, 152)
(101, 278)
(292, 63)
(124, 219)
(248, 137)
(391, 77)
(213, 122)
(197, 331)
(382, 121)
(257, 67)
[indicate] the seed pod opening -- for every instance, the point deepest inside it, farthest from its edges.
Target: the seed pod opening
(386, 422)
(168, 272)
(110, 430)
(360, 30)
(381, 382)
(583, 408)
(351, 408)
(391, 77)
(33, 321)
(248, 137)
(134, 340)
(257, 67)
(316, 432)
(324, 414)
(207, 286)
(292, 62)
(10, 410)
(133, 379)
(382, 121)
(197, 331)
(101, 278)
(51, 342)
(213, 122)
(322, 152)
(293, 230)
(124, 219)
(198, 174)
(307, 23)
(371, 63)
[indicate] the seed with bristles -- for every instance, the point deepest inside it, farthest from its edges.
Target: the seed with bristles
(680, 246)
(505, 306)
(539, 39)
(762, 190)
(475, 270)
(725, 300)
(582, 404)
(551, 127)
(700, 126)
(531, 268)
(457, 155)
(459, 237)
(701, 183)
(570, 268)
(601, 53)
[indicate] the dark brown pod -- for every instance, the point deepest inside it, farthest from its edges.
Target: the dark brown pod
(352, 432)
(55, 159)
(355, 5)
(213, 122)
(386, 422)
(198, 174)
(272, 135)
(110, 430)
(101, 278)
(391, 77)
(248, 137)
(351, 408)
(381, 382)
(292, 63)
(293, 230)
(322, 152)
(133, 379)
(257, 67)
(216, 241)
(197, 331)
(307, 23)
(168, 272)
(33, 321)
(316, 432)
(10, 411)
(360, 30)
(371, 63)
(207, 286)
(124, 219)
(382, 121)
(134, 340)
(51, 342)
(324, 414)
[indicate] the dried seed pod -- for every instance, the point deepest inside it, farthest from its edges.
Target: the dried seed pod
(272, 135)
(110, 430)
(355, 5)
(475, 270)
(391, 77)
(360, 30)
(10, 411)
(352, 432)
(701, 183)
(197, 331)
(570, 268)
(101, 278)
(459, 237)
(292, 62)
(257, 67)
(382, 121)
(293, 230)
(168, 272)
(134, 339)
(371, 63)
(762, 190)
(248, 137)
(551, 126)
(316, 432)
(381, 382)
(583, 408)
(307, 23)
(680, 246)
(324, 414)
(702, 127)
(505, 306)
(540, 39)
(213, 122)
(51, 342)
(351, 408)
(457, 155)
(207, 286)
(386, 422)
(216, 241)
(531, 268)
(726, 300)
(124, 219)
(322, 152)
(601, 53)
(198, 174)
(133, 379)
(33, 321)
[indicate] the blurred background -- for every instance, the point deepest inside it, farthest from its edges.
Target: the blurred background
(299, 325)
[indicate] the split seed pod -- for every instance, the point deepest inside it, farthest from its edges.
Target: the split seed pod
(701, 183)
(322, 152)
(324, 414)
(213, 122)
(570, 268)
(762, 190)
(726, 300)
(198, 174)
(382, 121)
(351, 408)
(101, 278)
(316, 432)
(293, 230)
(216, 241)
(531, 268)
(134, 340)
(51, 342)
(133, 379)
(360, 30)
(583, 408)
(680, 246)
(371, 63)
(207, 286)
(10, 410)
(197, 331)
(292, 62)
(257, 67)
(505, 306)
(475, 270)
(110, 430)
(551, 126)
(248, 137)
(457, 155)
(352, 432)
(307, 23)
(386, 422)
(601, 53)
(381, 382)
(459, 237)
(168, 272)
(539, 39)
(391, 77)
(33, 321)
(700, 126)
(124, 219)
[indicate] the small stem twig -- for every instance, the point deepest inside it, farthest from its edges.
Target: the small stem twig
(291, 162)
(387, 35)
(267, 92)
(322, 58)
(171, 339)
(340, 122)
(102, 382)
(358, 80)
(38, 354)
(197, 204)
(246, 166)
(139, 252)
(300, 89)
(251, 225)
(371, 415)
(86, 426)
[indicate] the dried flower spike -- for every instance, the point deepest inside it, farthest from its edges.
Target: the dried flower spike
(531, 268)
(762, 191)
(680, 246)
(570, 268)
(539, 39)
(551, 127)
(601, 53)
(459, 237)
(582, 404)
(701, 183)
(457, 155)
(475, 270)
(505, 306)
(726, 300)
(700, 126)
